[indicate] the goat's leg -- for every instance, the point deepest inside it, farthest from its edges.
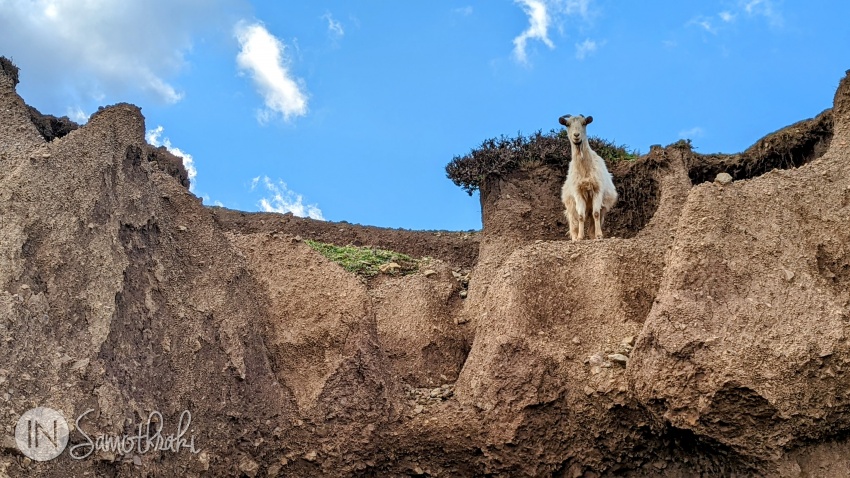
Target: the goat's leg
(574, 229)
(597, 216)
(573, 222)
(581, 210)
(572, 217)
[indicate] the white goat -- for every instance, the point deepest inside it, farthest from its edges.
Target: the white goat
(589, 189)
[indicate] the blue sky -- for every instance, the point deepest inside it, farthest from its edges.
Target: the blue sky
(347, 110)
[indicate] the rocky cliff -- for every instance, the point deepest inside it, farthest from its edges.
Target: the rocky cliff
(709, 337)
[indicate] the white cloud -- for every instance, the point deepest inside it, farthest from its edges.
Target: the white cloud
(726, 16)
(284, 200)
(75, 113)
(581, 7)
(745, 8)
(334, 27)
(262, 55)
(692, 133)
(538, 28)
(542, 15)
(585, 48)
(77, 52)
(160, 88)
(766, 9)
(465, 11)
(154, 137)
(703, 23)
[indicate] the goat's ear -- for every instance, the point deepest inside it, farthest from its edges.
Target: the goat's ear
(563, 120)
(588, 120)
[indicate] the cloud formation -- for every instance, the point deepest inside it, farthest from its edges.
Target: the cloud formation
(154, 137)
(573, 7)
(751, 9)
(284, 200)
(585, 48)
(692, 133)
(705, 23)
(542, 15)
(766, 9)
(82, 52)
(262, 56)
(334, 27)
(76, 114)
(538, 28)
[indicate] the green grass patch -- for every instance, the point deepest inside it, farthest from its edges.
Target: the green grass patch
(366, 261)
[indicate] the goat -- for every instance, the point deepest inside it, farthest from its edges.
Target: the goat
(589, 189)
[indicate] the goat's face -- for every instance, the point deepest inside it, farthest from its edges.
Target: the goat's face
(576, 127)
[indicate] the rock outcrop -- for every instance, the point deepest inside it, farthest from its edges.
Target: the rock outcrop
(746, 344)
(708, 336)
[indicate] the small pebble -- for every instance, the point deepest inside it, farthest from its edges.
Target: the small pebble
(596, 359)
(723, 179)
(618, 358)
(788, 274)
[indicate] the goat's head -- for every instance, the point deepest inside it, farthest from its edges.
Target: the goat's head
(576, 127)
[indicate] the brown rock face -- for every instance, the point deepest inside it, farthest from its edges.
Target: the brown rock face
(108, 306)
(747, 342)
(706, 335)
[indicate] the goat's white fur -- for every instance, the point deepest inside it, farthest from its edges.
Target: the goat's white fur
(589, 189)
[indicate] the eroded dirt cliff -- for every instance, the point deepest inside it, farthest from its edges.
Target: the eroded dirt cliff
(708, 336)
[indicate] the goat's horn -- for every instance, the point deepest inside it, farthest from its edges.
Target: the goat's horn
(563, 120)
